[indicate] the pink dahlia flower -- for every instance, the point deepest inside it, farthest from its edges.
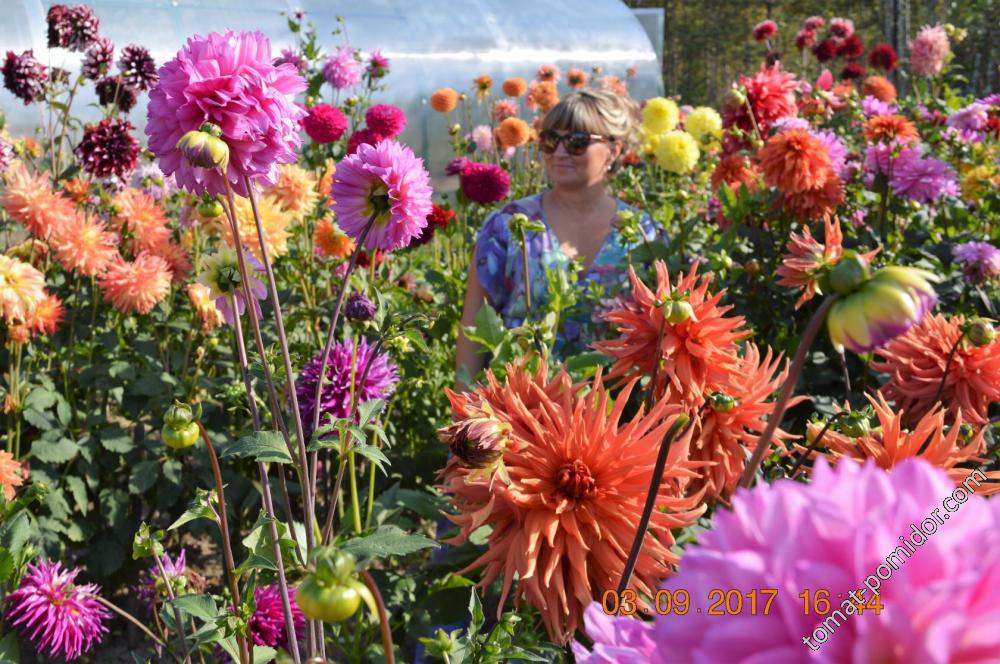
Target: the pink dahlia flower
(325, 123)
(922, 179)
(267, 624)
(343, 69)
(385, 181)
(363, 136)
(939, 603)
(928, 51)
(228, 80)
(55, 614)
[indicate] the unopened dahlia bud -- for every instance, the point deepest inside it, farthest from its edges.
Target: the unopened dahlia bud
(722, 402)
(980, 332)
(204, 148)
(854, 425)
(477, 441)
(849, 273)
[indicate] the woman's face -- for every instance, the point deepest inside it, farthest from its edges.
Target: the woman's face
(579, 171)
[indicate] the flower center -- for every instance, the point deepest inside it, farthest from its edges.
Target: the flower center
(378, 202)
(576, 481)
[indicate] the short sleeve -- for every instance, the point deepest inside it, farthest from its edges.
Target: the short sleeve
(491, 257)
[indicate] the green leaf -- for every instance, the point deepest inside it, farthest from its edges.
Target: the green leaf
(9, 651)
(14, 532)
(263, 654)
(388, 540)
(476, 611)
(79, 491)
(37, 419)
(488, 330)
(263, 446)
(202, 607)
(116, 439)
(369, 409)
(114, 505)
(143, 476)
(40, 399)
(373, 454)
(59, 451)
(200, 509)
(588, 360)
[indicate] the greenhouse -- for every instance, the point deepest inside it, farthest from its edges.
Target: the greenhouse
(476, 332)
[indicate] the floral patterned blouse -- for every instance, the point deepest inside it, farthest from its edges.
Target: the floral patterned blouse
(499, 268)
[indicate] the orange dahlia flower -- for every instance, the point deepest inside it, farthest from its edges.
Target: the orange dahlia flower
(807, 258)
(330, 241)
(884, 128)
(813, 203)
(576, 78)
(444, 100)
(735, 170)
(294, 190)
(513, 132)
(326, 180)
(890, 443)
(177, 259)
(916, 360)
(204, 307)
(691, 354)
(141, 214)
(727, 431)
(577, 478)
(794, 161)
(85, 245)
(879, 87)
(543, 95)
(272, 219)
(78, 190)
(45, 318)
(483, 84)
(10, 474)
(29, 200)
(137, 286)
(515, 87)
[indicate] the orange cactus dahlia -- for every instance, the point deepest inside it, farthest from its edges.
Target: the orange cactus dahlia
(728, 429)
(884, 128)
(807, 258)
(563, 523)
(84, 244)
(144, 217)
(889, 443)
(45, 318)
(30, 201)
(794, 161)
(692, 353)
(916, 360)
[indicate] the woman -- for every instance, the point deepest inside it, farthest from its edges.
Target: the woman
(582, 141)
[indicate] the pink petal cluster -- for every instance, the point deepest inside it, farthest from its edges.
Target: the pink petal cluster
(228, 80)
(267, 624)
(928, 51)
(386, 181)
(342, 70)
(55, 614)
(942, 604)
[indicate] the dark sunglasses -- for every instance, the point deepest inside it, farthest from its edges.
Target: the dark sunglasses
(576, 142)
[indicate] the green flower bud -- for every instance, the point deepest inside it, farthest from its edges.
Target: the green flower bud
(849, 273)
(679, 312)
(205, 148)
(722, 402)
(980, 332)
(854, 425)
(210, 208)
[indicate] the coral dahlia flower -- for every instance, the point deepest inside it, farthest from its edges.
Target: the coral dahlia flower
(806, 259)
(940, 605)
(735, 170)
(295, 190)
(879, 87)
(54, 614)
(85, 245)
(30, 200)
(11, 475)
(204, 307)
(576, 78)
(22, 288)
(693, 353)
(385, 183)
(885, 128)
(45, 318)
(888, 444)
(578, 477)
(142, 215)
(138, 286)
(794, 161)
(515, 87)
(444, 100)
(727, 431)
(330, 241)
(916, 361)
(229, 80)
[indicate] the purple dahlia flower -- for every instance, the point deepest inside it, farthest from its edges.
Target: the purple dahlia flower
(267, 624)
(980, 261)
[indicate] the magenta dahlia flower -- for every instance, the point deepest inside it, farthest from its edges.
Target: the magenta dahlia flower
(6, 153)
(228, 80)
(183, 580)
(267, 624)
(922, 179)
(55, 614)
(325, 123)
(764, 30)
(336, 396)
(378, 64)
(343, 69)
(385, 181)
(23, 75)
(363, 136)
(108, 148)
(294, 58)
(386, 119)
(939, 603)
(871, 107)
(484, 183)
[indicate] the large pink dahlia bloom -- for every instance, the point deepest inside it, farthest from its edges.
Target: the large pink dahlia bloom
(940, 603)
(228, 80)
(388, 181)
(54, 614)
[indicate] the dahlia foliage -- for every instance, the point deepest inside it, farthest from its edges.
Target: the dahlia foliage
(300, 370)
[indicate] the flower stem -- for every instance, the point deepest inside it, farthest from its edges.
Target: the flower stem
(129, 617)
(654, 490)
(177, 612)
(947, 367)
(383, 618)
(815, 444)
(227, 548)
(787, 388)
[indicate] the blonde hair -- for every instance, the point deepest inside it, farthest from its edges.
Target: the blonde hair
(597, 112)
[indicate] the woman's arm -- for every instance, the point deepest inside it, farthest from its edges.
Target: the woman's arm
(469, 354)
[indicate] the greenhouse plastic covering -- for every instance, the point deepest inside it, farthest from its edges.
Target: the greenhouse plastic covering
(429, 44)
